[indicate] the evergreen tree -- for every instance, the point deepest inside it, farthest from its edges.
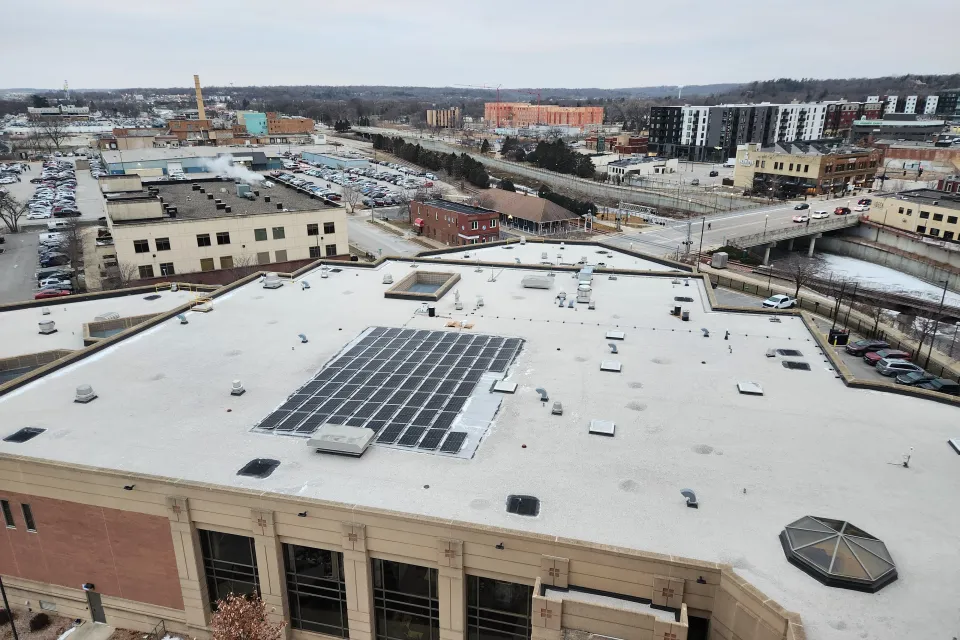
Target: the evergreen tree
(506, 185)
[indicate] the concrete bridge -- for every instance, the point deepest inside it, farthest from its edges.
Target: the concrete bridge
(813, 230)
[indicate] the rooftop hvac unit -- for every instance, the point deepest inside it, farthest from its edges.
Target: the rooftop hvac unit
(536, 282)
(272, 281)
(109, 315)
(719, 260)
(342, 440)
(47, 327)
(243, 190)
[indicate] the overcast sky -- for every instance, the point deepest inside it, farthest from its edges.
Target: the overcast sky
(515, 43)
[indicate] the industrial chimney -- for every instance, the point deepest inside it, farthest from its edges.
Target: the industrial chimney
(201, 113)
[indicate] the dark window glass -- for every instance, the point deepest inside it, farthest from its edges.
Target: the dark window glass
(8, 514)
(145, 270)
(230, 565)
(259, 234)
(316, 590)
(141, 246)
(28, 517)
(223, 237)
(938, 217)
(313, 229)
(497, 610)
(315, 252)
(405, 601)
(163, 244)
(951, 219)
(278, 233)
(924, 214)
(329, 227)
(166, 269)
(203, 239)
(331, 249)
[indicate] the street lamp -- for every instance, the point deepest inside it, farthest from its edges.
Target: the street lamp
(766, 219)
(956, 330)
(936, 325)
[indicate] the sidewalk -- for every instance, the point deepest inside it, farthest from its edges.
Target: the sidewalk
(429, 243)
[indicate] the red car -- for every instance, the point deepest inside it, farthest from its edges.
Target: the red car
(50, 293)
(842, 211)
(874, 357)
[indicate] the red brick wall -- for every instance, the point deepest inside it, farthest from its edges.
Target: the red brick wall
(124, 554)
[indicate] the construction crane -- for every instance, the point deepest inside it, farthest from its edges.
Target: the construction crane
(486, 86)
(201, 112)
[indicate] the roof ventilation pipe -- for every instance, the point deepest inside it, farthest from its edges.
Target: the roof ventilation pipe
(85, 394)
(237, 388)
(691, 498)
(543, 394)
(272, 281)
(47, 327)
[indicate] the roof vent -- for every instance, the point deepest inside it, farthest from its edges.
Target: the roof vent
(259, 468)
(523, 505)
(543, 394)
(792, 353)
(691, 498)
(750, 388)
(955, 444)
(793, 364)
(341, 440)
(47, 327)
(603, 427)
(387, 278)
(272, 281)
(182, 318)
(85, 394)
(237, 388)
(303, 338)
(536, 282)
(109, 315)
(502, 386)
(613, 347)
(611, 365)
(557, 409)
(616, 335)
(27, 433)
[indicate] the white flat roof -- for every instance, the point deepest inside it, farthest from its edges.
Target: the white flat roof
(556, 254)
(809, 445)
(20, 333)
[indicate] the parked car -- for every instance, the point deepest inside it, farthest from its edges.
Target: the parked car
(895, 366)
(819, 215)
(714, 173)
(50, 293)
(842, 211)
(860, 347)
(873, 357)
(801, 206)
(801, 218)
(941, 385)
(914, 378)
(780, 301)
(695, 182)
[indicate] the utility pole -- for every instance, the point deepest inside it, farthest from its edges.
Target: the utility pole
(688, 241)
(6, 605)
(703, 224)
(936, 324)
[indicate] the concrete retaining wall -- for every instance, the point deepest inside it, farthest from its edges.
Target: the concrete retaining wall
(906, 242)
(923, 270)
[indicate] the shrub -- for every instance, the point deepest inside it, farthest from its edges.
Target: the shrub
(39, 621)
(5, 616)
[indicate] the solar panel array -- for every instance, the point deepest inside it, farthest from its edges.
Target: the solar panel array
(407, 385)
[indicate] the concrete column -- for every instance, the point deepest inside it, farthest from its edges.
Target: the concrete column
(766, 254)
(270, 566)
(813, 242)
(358, 579)
(451, 590)
(790, 244)
(193, 582)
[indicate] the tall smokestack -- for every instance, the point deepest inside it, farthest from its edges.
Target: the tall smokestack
(202, 114)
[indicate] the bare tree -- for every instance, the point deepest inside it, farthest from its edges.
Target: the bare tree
(874, 312)
(351, 197)
(922, 329)
(72, 244)
(121, 276)
(243, 265)
(240, 617)
(11, 210)
(801, 271)
(52, 130)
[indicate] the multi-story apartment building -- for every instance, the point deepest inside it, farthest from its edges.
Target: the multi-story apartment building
(798, 168)
(523, 114)
(444, 118)
(205, 225)
(840, 116)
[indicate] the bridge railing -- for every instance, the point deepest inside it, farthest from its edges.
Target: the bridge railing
(840, 222)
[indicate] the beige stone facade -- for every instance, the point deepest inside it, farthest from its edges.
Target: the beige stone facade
(793, 170)
(692, 588)
(923, 211)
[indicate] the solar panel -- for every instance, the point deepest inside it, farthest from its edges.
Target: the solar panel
(454, 442)
(411, 437)
(403, 384)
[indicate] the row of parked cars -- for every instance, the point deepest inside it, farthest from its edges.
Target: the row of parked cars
(55, 275)
(312, 187)
(10, 173)
(96, 169)
(896, 363)
(56, 193)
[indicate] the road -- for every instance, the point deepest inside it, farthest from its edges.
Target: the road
(365, 235)
(664, 240)
(18, 266)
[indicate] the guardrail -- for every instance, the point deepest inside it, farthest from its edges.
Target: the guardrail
(752, 240)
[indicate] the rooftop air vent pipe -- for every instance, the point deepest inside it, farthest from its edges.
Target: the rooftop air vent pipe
(543, 394)
(272, 281)
(47, 327)
(85, 394)
(237, 388)
(691, 498)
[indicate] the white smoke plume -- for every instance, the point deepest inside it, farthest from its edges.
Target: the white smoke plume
(224, 166)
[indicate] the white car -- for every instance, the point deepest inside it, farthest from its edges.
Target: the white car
(862, 207)
(819, 215)
(801, 218)
(38, 215)
(780, 301)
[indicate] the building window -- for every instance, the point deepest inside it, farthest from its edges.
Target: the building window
(263, 257)
(331, 249)
(166, 269)
(141, 246)
(223, 237)
(934, 231)
(163, 244)
(791, 166)
(493, 223)
(951, 219)
(497, 610)
(315, 252)
(146, 270)
(313, 229)
(281, 255)
(948, 235)
(8, 515)
(924, 214)
(405, 601)
(28, 518)
(226, 262)
(259, 234)
(901, 209)
(329, 227)
(938, 217)
(316, 590)
(806, 168)
(206, 264)
(278, 233)
(921, 229)
(203, 239)
(474, 224)
(230, 565)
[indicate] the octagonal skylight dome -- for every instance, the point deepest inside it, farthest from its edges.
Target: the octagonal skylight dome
(838, 553)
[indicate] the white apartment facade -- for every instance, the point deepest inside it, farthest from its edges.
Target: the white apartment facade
(694, 126)
(801, 121)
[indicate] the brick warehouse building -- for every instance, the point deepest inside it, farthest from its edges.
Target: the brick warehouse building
(523, 114)
(454, 223)
(167, 484)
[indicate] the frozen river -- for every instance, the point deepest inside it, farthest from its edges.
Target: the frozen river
(876, 276)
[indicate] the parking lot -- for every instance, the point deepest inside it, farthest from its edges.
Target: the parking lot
(18, 265)
(89, 200)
